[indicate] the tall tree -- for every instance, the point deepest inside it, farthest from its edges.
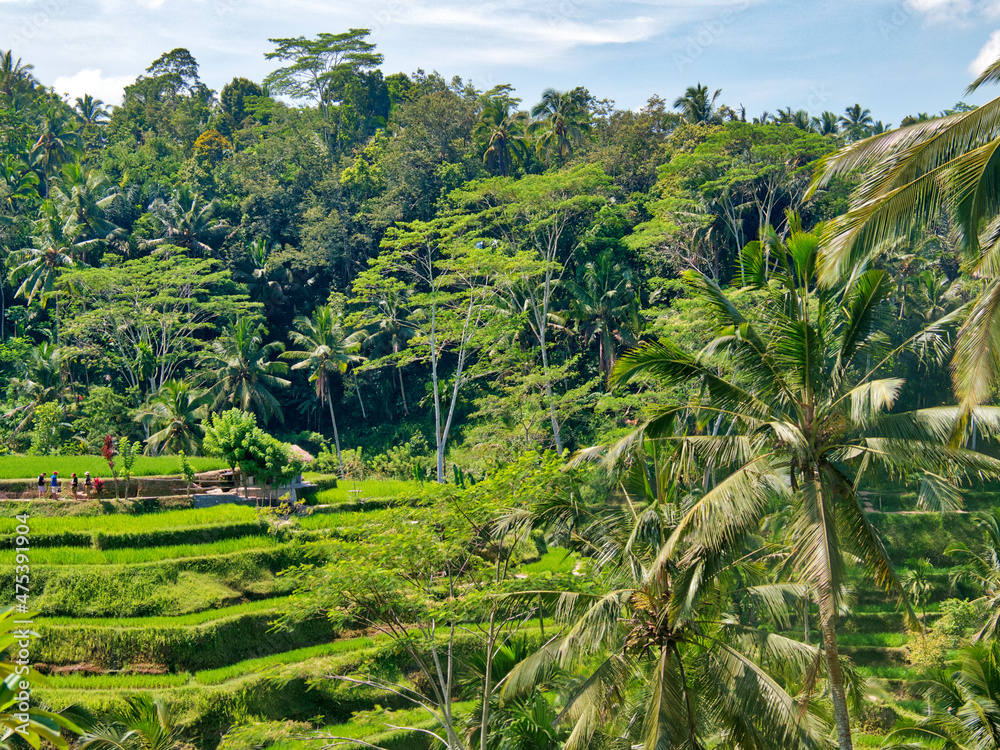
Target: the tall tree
(323, 351)
(856, 123)
(321, 69)
(502, 128)
(805, 413)
(453, 272)
(561, 119)
(696, 106)
(242, 373)
(152, 316)
(172, 418)
(15, 76)
(188, 221)
(605, 306)
(546, 217)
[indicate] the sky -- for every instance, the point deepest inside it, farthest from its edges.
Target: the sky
(894, 57)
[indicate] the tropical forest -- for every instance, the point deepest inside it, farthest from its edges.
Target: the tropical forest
(345, 408)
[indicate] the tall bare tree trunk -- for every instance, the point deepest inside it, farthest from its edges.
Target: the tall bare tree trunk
(336, 434)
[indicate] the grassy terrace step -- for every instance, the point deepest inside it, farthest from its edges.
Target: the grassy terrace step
(352, 648)
(165, 587)
(23, 467)
(195, 618)
(122, 523)
(188, 643)
(62, 556)
(180, 535)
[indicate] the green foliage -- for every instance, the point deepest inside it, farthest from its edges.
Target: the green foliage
(49, 429)
(399, 461)
(228, 638)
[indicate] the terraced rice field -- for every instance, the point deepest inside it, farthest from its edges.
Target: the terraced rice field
(24, 467)
(182, 604)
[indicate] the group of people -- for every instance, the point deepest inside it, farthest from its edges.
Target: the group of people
(54, 487)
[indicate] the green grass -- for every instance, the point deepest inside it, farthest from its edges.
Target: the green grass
(556, 560)
(888, 673)
(374, 727)
(347, 521)
(24, 467)
(253, 666)
(197, 618)
(118, 681)
(349, 490)
(132, 555)
(128, 524)
(886, 640)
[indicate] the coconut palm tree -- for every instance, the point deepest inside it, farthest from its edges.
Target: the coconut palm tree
(58, 243)
(964, 705)
(90, 111)
(58, 142)
(804, 413)
(15, 76)
(826, 124)
(242, 372)
(141, 723)
(910, 175)
(386, 329)
(40, 379)
(503, 131)
(561, 120)
(696, 106)
(982, 568)
(856, 123)
(322, 351)
(188, 222)
(662, 655)
(172, 418)
(83, 196)
(605, 307)
(41, 724)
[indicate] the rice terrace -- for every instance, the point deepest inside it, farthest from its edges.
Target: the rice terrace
(621, 377)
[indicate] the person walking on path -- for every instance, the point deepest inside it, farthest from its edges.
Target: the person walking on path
(55, 485)
(74, 483)
(86, 483)
(41, 486)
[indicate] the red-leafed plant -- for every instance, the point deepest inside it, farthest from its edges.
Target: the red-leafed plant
(109, 453)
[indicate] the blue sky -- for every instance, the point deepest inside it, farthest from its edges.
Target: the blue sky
(893, 56)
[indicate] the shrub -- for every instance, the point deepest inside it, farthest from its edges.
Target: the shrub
(929, 650)
(400, 462)
(959, 617)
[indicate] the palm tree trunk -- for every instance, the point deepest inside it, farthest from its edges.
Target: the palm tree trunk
(836, 677)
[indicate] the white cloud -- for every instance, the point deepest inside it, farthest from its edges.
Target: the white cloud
(987, 55)
(109, 89)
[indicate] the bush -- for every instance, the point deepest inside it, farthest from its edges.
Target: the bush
(402, 461)
(959, 616)
(929, 650)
